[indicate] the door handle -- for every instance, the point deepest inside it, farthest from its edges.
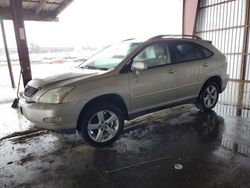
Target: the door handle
(138, 75)
(205, 64)
(171, 71)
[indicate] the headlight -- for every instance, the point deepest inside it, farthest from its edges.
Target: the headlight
(55, 96)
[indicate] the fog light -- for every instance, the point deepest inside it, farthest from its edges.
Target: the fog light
(52, 119)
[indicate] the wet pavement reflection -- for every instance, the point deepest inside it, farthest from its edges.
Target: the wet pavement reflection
(213, 149)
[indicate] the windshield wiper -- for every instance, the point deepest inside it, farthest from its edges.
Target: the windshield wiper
(95, 68)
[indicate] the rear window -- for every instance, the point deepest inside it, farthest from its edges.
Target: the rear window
(189, 51)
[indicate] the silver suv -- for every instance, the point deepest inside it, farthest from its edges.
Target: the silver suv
(124, 81)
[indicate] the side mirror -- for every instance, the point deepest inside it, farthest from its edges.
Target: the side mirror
(138, 66)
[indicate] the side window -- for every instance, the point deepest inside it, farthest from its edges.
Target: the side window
(154, 55)
(188, 51)
(206, 52)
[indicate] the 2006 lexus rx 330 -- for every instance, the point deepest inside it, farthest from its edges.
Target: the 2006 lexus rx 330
(124, 81)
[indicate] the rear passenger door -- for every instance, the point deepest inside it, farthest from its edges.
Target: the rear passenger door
(192, 67)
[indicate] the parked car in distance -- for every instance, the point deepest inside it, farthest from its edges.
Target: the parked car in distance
(124, 81)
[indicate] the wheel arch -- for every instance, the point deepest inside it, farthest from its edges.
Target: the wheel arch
(108, 98)
(216, 79)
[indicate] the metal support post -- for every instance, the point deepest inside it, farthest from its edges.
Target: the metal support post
(7, 54)
(22, 47)
(245, 40)
(190, 8)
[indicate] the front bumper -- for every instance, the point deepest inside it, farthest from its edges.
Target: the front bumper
(52, 116)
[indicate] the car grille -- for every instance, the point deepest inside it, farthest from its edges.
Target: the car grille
(29, 91)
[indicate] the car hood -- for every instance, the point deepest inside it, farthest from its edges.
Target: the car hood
(75, 73)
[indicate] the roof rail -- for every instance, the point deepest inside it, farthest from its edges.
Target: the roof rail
(183, 36)
(127, 39)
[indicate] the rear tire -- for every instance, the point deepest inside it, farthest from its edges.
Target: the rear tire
(208, 97)
(101, 125)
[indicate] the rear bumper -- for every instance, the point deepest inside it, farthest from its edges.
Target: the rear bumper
(52, 116)
(224, 82)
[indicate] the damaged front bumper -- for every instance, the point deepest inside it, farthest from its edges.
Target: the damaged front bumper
(51, 116)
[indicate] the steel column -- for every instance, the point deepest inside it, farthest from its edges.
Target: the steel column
(7, 54)
(245, 40)
(190, 8)
(18, 21)
(243, 60)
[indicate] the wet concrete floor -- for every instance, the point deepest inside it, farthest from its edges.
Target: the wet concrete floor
(212, 148)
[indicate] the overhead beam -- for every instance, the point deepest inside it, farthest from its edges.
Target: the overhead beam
(48, 3)
(22, 47)
(40, 6)
(29, 15)
(62, 6)
(37, 14)
(190, 8)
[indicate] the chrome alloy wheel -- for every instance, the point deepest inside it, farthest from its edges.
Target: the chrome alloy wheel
(210, 97)
(103, 126)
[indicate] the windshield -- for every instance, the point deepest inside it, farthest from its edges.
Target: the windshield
(110, 57)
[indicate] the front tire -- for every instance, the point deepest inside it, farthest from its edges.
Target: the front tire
(208, 97)
(101, 125)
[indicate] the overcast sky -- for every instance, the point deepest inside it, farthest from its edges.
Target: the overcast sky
(101, 22)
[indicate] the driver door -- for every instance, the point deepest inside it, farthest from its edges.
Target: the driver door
(155, 86)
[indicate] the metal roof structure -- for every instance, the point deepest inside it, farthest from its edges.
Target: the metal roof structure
(35, 10)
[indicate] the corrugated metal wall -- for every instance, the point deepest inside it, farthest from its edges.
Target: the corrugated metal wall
(226, 23)
(235, 100)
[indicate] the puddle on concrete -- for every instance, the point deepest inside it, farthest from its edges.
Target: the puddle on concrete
(197, 141)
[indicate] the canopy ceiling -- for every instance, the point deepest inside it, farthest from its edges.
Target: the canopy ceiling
(35, 10)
